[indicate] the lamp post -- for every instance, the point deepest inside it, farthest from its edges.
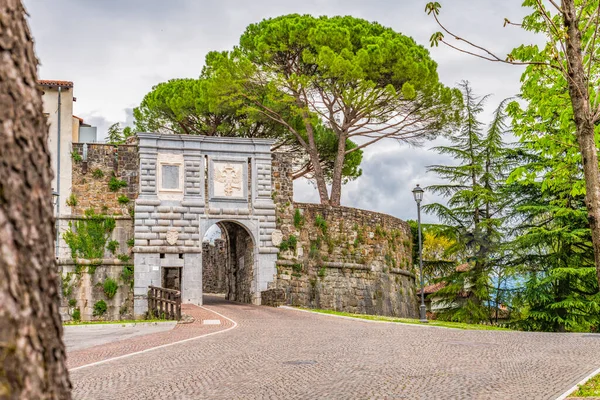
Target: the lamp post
(55, 195)
(418, 194)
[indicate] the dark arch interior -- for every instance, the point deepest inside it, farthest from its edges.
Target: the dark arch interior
(228, 262)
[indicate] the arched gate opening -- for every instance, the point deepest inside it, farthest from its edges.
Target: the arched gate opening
(228, 262)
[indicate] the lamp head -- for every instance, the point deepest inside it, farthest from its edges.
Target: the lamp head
(418, 193)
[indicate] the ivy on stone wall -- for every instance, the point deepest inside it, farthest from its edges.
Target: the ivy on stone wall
(87, 237)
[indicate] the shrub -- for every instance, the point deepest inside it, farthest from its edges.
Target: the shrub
(110, 288)
(298, 219)
(115, 184)
(322, 272)
(76, 156)
(124, 257)
(113, 246)
(72, 200)
(97, 173)
(297, 268)
(321, 223)
(131, 242)
(76, 315)
(127, 273)
(123, 199)
(100, 308)
(289, 244)
(72, 302)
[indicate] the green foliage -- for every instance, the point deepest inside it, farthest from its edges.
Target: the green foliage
(114, 184)
(321, 223)
(123, 199)
(124, 257)
(88, 236)
(72, 302)
(76, 315)
(76, 156)
(100, 308)
(298, 219)
(343, 67)
(130, 242)
(110, 287)
(553, 250)
(474, 215)
(127, 273)
(298, 268)
(289, 243)
(113, 246)
(322, 272)
(72, 201)
(117, 135)
(97, 173)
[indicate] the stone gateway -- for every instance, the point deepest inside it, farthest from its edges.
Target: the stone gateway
(189, 183)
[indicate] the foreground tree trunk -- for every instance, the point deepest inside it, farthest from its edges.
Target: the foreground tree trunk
(32, 355)
(580, 99)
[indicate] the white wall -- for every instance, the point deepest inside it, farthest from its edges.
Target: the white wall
(50, 100)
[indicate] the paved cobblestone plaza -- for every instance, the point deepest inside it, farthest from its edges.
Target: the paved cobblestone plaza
(287, 354)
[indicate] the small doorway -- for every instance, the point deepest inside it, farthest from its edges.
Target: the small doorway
(171, 278)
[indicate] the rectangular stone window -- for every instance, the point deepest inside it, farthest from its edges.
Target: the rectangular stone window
(170, 177)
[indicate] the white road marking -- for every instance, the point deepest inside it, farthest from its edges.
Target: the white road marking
(161, 346)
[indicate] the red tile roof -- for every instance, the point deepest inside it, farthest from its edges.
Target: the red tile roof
(56, 83)
(433, 288)
(463, 267)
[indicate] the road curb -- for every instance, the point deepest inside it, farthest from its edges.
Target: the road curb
(576, 386)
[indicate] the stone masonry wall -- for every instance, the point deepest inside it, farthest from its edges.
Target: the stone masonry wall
(91, 177)
(214, 261)
(82, 281)
(94, 165)
(342, 258)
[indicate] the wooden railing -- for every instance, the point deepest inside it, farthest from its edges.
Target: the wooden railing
(164, 303)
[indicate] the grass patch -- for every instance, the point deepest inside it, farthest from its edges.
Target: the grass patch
(446, 324)
(589, 389)
(124, 321)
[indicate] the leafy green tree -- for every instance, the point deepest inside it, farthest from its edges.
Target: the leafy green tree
(117, 135)
(552, 247)
(195, 107)
(360, 80)
(475, 213)
(114, 134)
(562, 79)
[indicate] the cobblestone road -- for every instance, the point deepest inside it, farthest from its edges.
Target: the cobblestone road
(286, 354)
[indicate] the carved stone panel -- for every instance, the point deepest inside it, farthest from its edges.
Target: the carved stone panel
(228, 179)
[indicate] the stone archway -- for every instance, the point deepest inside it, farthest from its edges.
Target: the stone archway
(228, 263)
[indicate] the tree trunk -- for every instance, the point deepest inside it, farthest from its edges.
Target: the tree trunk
(32, 355)
(313, 153)
(338, 166)
(580, 100)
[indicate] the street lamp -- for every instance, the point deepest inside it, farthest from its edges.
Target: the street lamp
(54, 197)
(418, 193)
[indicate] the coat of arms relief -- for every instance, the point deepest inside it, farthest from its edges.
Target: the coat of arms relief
(228, 180)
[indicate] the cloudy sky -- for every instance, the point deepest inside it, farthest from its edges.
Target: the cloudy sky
(116, 50)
